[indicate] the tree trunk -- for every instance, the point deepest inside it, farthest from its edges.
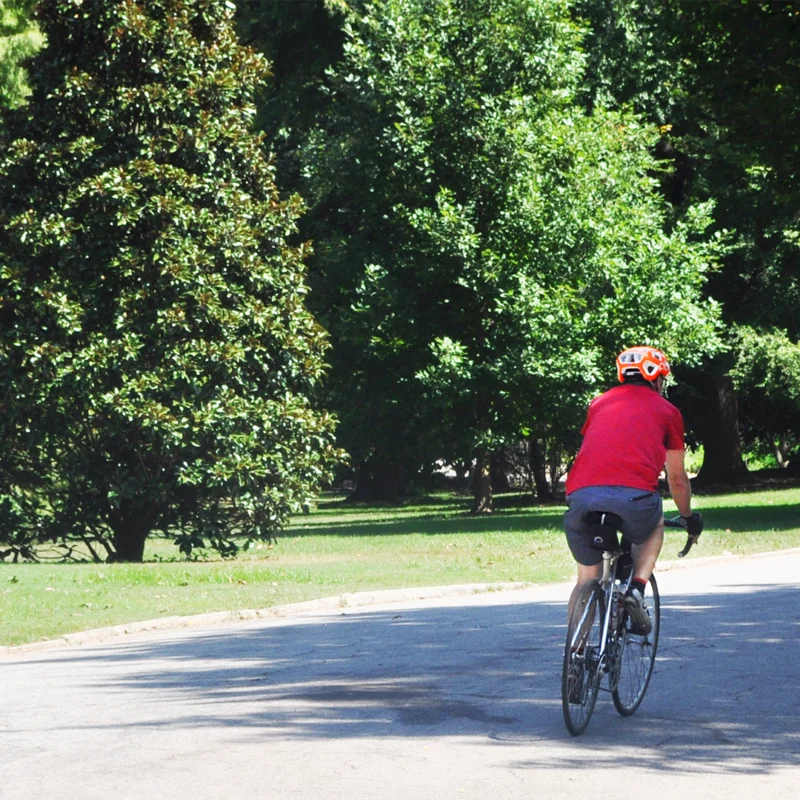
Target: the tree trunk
(499, 472)
(722, 460)
(482, 483)
(782, 452)
(539, 470)
(130, 527)
(380, 480)
(556, 468)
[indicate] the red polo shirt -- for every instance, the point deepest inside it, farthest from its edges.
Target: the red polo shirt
(627, 433)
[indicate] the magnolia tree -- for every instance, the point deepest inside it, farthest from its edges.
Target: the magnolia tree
(158, 360)
(502, 243)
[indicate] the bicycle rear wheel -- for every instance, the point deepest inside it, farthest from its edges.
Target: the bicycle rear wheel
(636, 657)
(581, 674)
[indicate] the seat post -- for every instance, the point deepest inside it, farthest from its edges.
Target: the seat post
(607, 556)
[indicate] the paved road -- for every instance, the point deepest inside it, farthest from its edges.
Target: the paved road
(448, 698)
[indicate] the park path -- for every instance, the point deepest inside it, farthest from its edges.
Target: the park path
(454, 697)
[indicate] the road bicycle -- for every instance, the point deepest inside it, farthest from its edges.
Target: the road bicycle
(600, 638)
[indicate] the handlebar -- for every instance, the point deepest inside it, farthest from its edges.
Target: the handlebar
(680, 522)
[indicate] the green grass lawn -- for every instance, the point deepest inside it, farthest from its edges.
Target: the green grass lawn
(340, 548)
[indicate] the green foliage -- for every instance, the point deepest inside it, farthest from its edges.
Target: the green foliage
(630, 56)
(19, 40)
(300, 40)
(491, 245)
(694, 460)
(158, 360)
(768, 362)
(722, 79)
(767, 377)
(744, 99)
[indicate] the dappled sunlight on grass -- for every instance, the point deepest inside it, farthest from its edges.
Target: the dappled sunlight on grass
(436, 514)
(342, 548)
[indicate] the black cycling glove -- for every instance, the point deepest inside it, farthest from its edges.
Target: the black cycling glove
(694, 524)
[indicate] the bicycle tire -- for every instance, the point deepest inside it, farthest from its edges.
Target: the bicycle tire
(581, 674)
(636, 659)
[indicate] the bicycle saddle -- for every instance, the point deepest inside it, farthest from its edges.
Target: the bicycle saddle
(604, 528)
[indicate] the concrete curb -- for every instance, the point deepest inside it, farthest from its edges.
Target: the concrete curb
(704, 561)
(338, 604)
(325, 605)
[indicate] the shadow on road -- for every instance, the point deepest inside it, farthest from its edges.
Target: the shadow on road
(723, 698)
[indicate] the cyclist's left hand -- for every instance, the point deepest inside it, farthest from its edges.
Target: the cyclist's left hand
(694, 524)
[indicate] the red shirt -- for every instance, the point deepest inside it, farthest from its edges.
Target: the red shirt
(627, 433)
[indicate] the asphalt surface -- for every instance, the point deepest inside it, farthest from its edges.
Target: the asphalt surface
(456, 696)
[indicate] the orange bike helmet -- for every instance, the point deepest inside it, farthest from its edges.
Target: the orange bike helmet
(645, 361)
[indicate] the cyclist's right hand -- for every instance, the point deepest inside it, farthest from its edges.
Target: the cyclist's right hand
(693, 524)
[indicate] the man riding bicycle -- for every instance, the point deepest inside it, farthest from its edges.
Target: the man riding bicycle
(630, 434)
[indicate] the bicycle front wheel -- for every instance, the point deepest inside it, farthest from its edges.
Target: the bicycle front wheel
(581, 674)
(635, 658)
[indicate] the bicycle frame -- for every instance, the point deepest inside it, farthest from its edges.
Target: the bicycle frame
(612, 607)
(607, 584)
(610, 619)
(601, 640)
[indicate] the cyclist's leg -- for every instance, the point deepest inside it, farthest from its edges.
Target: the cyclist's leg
(646, 554)
(585, 574)
(580, 675)
(579, 539)
(636, 655)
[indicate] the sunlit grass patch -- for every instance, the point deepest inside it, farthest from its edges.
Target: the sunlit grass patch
(342, 548)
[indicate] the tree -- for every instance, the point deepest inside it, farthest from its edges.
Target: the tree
(19, 40)
(721, 79)
(767, 378)
(742, 104)
(492, 244)
(158, 361)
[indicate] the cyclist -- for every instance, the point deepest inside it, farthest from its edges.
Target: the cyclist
(630, 434)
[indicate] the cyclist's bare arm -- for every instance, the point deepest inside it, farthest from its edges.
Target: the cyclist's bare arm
(678, 480)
